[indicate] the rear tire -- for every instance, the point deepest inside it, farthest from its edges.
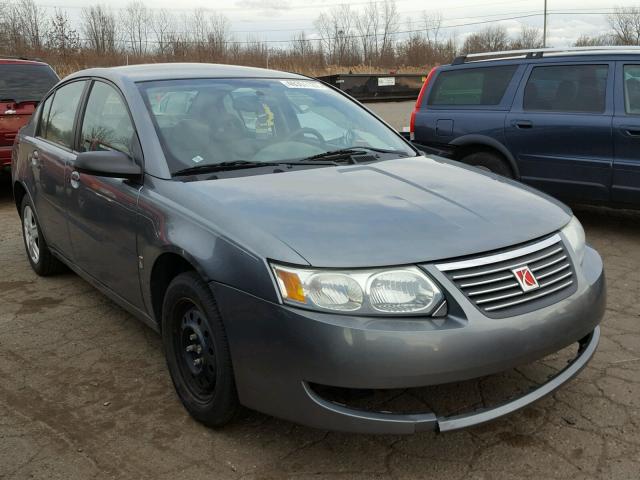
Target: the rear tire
(197, 351)
(40, 257)
(489, 161)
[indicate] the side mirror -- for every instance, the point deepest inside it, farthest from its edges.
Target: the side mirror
(108, 163)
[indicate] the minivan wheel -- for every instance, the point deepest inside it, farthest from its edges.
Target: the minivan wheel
(197, 351)
(40, 257)
(489, 161)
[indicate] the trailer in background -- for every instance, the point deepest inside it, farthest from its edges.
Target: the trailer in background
(378, 87)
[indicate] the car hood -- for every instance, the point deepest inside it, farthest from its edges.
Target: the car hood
(390, 212)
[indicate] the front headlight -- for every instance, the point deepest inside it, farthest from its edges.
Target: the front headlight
(394, 291)
(574, 233)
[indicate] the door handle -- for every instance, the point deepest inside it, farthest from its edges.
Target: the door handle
(522, 124)
(631, 131)
(74, 179)
(35, 159)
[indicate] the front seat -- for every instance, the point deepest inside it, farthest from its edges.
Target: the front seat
(189, 141)
(227, 133)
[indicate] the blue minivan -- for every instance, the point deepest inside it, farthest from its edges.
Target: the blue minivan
(564, 121)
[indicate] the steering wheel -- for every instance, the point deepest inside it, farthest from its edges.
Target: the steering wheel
(302, 131)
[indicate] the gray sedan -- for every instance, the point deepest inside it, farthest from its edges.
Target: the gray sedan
(288, 244)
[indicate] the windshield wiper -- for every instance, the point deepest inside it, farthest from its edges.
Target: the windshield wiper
(384, 150)
(347, 153)
(237, 165)
(217, 167)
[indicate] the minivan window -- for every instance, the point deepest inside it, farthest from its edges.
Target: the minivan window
(632, 89)
(567, 88)
(62, 114)
(471, 86)
(106, 124)
(25, 82)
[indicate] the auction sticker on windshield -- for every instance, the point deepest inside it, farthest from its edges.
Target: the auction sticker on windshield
(303, 84)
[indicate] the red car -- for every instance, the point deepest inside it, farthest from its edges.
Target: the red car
(23, 83)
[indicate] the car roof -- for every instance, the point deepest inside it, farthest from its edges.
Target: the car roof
(573, 54)
(177, 71)
(20, 61)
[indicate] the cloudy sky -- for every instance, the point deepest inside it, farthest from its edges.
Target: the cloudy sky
(280, 19)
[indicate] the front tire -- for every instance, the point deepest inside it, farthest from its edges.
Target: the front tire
(197, 351)
(40, 257)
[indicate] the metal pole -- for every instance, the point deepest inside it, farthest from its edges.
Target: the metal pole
(544, 28)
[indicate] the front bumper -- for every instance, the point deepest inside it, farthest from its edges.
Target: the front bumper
(278, 351)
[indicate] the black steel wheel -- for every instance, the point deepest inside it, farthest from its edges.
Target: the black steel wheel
(197, 351)
(198, 356)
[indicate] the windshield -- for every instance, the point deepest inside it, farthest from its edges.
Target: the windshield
(204, 122)
(22, 82)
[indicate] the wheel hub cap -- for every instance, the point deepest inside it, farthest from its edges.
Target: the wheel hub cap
(31, 236)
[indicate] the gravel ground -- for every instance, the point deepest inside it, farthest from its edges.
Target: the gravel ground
(84, 393)
(395, 113)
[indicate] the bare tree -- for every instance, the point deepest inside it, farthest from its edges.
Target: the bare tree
(389, 27)
(432, 25)
(99, 27)
(529, 37)
(60, 36)
(33, 22)
(625, 23)
(366, 25)
(11, 38)
(199, 27)
(597, 41)
(203, 34)
(300, 45)
(336, 29)
(490, 39)
(135, 20)
(218, 35)
(424, 47)
(161, 25)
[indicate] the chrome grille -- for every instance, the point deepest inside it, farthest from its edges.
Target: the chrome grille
(491, 285)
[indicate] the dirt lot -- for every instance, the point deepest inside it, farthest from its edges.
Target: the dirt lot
(84, 393)
(395, 114)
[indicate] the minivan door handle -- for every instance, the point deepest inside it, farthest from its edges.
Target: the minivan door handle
(522, 124)
(630, 131)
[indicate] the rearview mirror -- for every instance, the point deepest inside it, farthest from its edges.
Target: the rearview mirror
(108, 163)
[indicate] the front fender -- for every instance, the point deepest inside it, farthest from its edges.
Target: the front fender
(164, 227)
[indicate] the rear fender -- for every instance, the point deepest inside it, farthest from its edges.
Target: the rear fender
(483, 140)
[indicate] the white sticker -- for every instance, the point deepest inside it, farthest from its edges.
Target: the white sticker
(303, 84)
(197, 159)
(386, 81)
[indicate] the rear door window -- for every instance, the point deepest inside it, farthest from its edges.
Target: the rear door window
(567, 88)
(471, 86)
(59, 125)
(632, 89)
(44, 116)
